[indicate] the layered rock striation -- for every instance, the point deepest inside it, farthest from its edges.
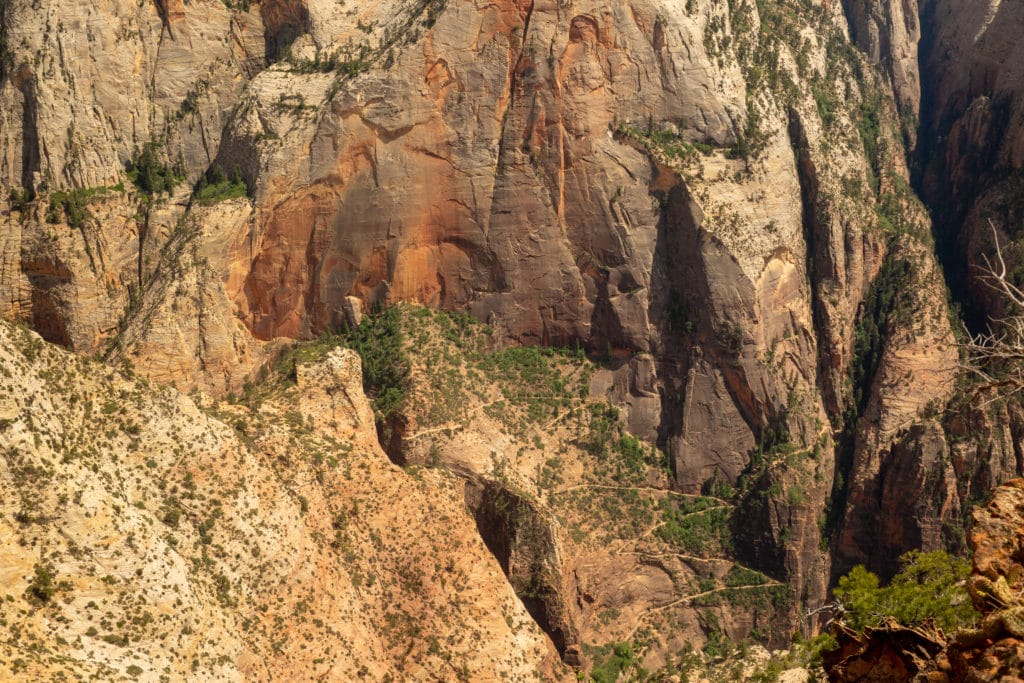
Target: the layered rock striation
(714, 199)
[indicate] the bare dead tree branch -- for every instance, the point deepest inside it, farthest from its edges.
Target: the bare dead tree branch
(996, 357)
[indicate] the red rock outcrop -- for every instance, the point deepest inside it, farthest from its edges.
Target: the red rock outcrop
(993, 651)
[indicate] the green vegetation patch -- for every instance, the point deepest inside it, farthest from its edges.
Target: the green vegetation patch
(44, 585)
(379, 341)
(667, 143)
(699, 526)
(929, 586)
(532, 379)
(753, 590)
(611, 660)
(151, 172)
(21, 198)
(215, 186)
(349, 61)
(72, 205)
(607, 514)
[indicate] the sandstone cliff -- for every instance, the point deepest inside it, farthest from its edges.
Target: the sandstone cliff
(713, 199)
(967, 162)
(147, 535)
(970, 169)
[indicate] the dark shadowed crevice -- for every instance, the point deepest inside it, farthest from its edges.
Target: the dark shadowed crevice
(30, 134)
(816, 260)
(674, 305)
(391, 436)
(523, 541)
(284, 21)
(886, 300)
(4, 53)
(50, 279)
(164, 11)
(978, 167)
(607, 333)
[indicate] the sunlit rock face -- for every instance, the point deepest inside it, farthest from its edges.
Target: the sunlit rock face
(715, 203)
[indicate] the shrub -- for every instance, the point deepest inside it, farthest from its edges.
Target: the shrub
(69, 204)
(608, 667)
(379, 342)
(72, 205)
(697, 526)
(21, 198)
(632, 452)
(43, 587)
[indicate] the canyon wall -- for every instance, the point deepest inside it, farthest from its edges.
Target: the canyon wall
(717, 200)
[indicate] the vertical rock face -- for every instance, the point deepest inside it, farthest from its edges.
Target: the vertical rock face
(969, 160)
(519, 162)
(892, 458)
(713, 197)
(479, 170)
(85, 89)
(911, 497)
(971, 169)
(85, 85)
(962, 76)
(889, 32)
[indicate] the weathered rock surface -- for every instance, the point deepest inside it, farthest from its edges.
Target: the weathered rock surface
(894, 460)
(889, 33)
(703, 193)
(144, 535)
